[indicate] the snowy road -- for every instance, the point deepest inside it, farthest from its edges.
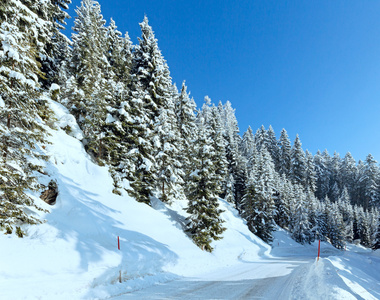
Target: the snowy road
(269, 279)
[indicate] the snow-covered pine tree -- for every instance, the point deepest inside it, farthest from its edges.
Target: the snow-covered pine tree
(185, 108)
(138, 166)
(205, 223)
(300, 228)
(376, 244)
(261, 138)
(346, 210)
(119, 122)
(119, 53)
(298, 163)
(219, 144)
(373, 217)
(321, 162)
(248, 203)
(310, 174)
(313, 206)
(236, 163)
(230, 189)
(56, 16)
(205, 112)
(369, 181)
(322, 219)
(335, 181)
(262, 177)
(336, 227)
(151, 73)
(285, 153)
(282, 201)
(151, 91)
(20, 127)
(169, 173)
(273, 147)
(247, 143)
(348, 171)
(363, 230)
(62, 61)
(359, 191)
(91, 70)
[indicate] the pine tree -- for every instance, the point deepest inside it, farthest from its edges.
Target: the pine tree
(261, 138)
(151, 91)
(230, 189)
(247, 143)
(348, 172)
(313, 205)
(282, 202)
(335, 181)
(298, 163)
(56, 16)
(321, 162)
(249, 203)
(236, 163)
(301, 232)
(185, 108)
(376, 244)
(369, 181)
(285, 153)
(262, 182)
(372, 217)
(336, 227)
(91, 70)
(219, 145)
(205, 223)
(310, 174)
(346, 210)
(118, 53)
(359, 191)
(360, 227)
(273, 147)
(21, 126)
(169, 176)
(322, 220)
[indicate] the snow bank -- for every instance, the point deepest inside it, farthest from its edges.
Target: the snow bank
(360, 271)
(321, 281)
(283, 246)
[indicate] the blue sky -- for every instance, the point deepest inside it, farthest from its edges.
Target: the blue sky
(311, 67)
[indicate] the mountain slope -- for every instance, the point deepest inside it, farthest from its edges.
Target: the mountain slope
(74, 253)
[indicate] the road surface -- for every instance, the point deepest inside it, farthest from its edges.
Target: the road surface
(279, 278)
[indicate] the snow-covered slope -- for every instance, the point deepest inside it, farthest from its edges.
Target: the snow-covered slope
(74, 253)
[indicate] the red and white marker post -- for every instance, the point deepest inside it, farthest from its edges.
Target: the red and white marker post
(319, 249)
(118, 247)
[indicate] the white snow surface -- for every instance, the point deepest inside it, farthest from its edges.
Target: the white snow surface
(74, 254)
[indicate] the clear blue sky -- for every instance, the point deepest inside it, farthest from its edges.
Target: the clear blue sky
(311, 67)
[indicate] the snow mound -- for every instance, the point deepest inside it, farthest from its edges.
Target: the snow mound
(321, 281)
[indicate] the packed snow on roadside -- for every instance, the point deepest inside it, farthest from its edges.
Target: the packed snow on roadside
(349, 274)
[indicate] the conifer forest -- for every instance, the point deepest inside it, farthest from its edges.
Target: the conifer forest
(150, 133)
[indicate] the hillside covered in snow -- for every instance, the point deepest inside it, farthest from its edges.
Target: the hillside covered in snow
(74, 253)
(113, 184)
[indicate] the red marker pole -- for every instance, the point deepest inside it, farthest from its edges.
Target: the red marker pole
(118, 247)
(319, 249)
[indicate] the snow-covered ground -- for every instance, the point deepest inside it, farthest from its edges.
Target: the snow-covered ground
(74, 254)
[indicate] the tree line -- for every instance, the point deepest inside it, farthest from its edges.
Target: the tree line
(152, 135)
